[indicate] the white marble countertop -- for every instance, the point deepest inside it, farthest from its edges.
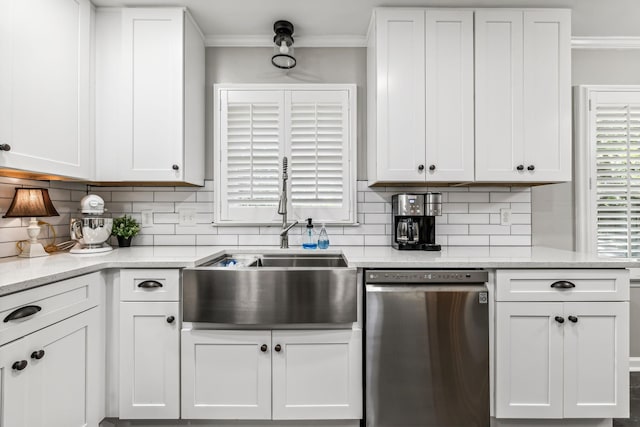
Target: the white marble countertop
(18, 274)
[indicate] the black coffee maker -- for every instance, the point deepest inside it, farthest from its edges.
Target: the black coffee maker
(414, 227)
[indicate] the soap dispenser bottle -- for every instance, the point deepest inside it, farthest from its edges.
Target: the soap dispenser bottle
(323, 238)
(309, 240)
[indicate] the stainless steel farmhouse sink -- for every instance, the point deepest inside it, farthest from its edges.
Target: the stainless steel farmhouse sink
(271, 289)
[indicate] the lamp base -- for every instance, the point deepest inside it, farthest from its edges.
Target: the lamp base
(32, 250)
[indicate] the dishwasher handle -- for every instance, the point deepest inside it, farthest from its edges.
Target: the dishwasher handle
(479, 287)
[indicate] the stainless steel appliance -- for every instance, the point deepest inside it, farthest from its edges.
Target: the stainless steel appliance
(92, 231)
(427, 348)
(271, 289)
(408, 221)
(432, 209)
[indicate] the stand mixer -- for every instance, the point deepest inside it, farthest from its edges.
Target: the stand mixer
(92, 231)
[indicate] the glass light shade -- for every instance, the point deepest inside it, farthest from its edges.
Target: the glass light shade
(31, 202)
(282, 60)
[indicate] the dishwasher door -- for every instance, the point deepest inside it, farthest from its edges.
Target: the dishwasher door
(427, 355)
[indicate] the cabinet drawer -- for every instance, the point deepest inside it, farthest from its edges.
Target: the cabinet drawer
(562, 285)
(150, 285)
(49, 304)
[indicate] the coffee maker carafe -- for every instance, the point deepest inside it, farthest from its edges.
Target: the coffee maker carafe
(408, 221)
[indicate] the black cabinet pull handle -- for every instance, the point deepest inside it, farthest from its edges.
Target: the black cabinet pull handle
(19, 366)
(432, 167)
(562, 284)
(175, 167)
(531, 167)
(22, 312)
(559, 319)
(573, 319)
(149, 284)
(37, 354)
(421, 167)
(277, 348)
(5, 147)
(170, 319)
(520, 167)
(263, 348)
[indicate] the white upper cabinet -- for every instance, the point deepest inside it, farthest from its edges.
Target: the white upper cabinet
(150, 96)
(45, 105)
(420, 112)
(449, 96)
(396, 96)
(523, 95)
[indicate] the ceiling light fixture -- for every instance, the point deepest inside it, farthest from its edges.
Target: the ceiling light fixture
(283, 53)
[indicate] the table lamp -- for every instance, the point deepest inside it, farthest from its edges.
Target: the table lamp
(30, 203)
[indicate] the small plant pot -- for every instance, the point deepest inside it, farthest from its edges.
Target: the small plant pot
(124, 242)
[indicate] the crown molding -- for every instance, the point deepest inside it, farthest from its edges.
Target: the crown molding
(266, 40)
(605, 42)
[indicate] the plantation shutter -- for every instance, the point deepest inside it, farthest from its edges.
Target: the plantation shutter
(319, 155)
(251, 149)
(615, 189)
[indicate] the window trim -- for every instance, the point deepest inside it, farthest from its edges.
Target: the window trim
(585, 225)
(352, 150)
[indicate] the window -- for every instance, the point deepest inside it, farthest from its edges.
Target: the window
(312, 125)
(608, 209)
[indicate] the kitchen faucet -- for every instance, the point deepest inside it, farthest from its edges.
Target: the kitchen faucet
(282, 209)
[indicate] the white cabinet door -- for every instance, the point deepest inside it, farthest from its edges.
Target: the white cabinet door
(226, 374)
(547, 95)
(152, 60)
(45, 86)
(149, 360)
(449, 96)
(596, 360)
(499, 95)
(14, 371)
(529, 360)
(400, 114)
(66, 373)
(317, 374)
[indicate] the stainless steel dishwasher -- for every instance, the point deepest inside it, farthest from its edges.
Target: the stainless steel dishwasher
(427, 348)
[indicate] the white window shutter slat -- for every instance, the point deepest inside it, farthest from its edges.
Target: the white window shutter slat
(252, 128)
(615, 131)
(319, 155)
(313, 125)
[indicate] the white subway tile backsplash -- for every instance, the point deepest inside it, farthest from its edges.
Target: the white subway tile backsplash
(471, 216)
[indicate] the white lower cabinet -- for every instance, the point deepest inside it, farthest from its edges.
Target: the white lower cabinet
(280, 374)
(226, 374)
(562, 359)
(54, 377)
(149, 360)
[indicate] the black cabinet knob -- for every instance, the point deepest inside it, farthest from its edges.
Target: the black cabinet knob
(19, 366)
(263, 348)
(175, 167)
(170, 319)
(520, 167)
(37, 354)
(421, 167)
(563, 284)
(5, 147)
(559, 319)
(573, 319)
(278, 348)
(432, 167)
(531, 167)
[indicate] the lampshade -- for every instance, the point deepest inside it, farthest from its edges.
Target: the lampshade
(31, 202)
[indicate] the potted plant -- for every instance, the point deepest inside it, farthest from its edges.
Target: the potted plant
(125, 228)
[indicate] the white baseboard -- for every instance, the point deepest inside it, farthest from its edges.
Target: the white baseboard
(634, 364)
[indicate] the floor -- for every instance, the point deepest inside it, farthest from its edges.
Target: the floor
(634, 419)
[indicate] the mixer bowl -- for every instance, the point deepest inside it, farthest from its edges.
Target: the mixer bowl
(91, 232)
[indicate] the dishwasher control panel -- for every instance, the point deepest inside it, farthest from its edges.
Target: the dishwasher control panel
(426, 276)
